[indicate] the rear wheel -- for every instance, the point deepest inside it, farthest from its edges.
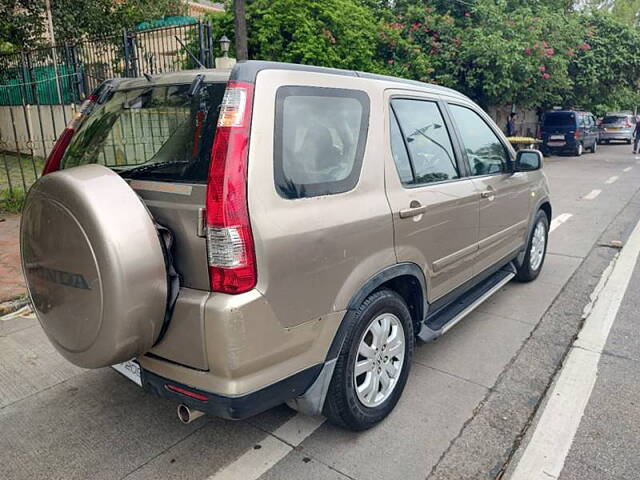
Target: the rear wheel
(373, 365)
(594, 148)
(533, 260)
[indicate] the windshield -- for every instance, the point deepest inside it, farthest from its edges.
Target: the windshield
(558, 119)
(159, 133)
(614, 119)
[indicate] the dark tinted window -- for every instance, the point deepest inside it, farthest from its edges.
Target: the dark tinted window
(427, 139)
(399, 152)
(320, 137)
(486, 154)
(158, 133)
(613, 119)
(560, 119)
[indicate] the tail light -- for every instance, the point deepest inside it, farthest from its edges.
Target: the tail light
(57, 152)
(577, 134)
(230, 248)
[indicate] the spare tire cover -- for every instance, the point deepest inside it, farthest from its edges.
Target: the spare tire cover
(94, 266)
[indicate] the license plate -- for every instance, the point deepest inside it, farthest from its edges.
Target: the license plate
(556, 144)
(556, 137)
(130, 369)
(613, 129)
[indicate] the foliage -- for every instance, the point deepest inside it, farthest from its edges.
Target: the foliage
(11, 203)
(504, 51)
(20, 24)
(73, 19)
(23, 24)
(334, 33)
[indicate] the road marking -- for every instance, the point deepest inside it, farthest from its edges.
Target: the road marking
(628, 169)
(592, 195)
(255, 462)
(551, 441)
(559, 220)
(611, 180)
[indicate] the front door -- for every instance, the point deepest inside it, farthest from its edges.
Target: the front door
(435, 209)
(504, 196)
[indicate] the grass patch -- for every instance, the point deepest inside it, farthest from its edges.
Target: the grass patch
(19, 171)
(11, 202)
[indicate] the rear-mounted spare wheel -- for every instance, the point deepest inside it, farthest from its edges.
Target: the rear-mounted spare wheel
(94, 266)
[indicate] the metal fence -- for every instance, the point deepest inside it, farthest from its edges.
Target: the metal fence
(40, 89)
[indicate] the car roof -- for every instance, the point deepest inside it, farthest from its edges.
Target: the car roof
(247, 71)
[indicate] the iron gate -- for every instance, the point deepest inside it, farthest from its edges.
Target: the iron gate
(41, 89)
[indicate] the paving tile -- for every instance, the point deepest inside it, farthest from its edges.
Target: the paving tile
(477, 349)
(409, 442)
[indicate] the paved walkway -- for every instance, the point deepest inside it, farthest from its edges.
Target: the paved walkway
(11, 281)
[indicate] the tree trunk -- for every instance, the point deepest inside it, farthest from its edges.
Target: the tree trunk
(240, 24)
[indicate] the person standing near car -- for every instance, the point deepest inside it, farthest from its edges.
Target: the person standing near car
(636, 135)
(511, 124)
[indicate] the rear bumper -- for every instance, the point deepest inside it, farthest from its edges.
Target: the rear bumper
(622, 135)
(238, 407)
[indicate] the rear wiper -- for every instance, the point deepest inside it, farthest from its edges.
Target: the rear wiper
(148, 167)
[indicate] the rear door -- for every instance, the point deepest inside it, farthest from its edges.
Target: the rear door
(435, 208)
(158, 137)
(503, 196)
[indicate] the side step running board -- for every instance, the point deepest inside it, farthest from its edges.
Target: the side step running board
(446, 318)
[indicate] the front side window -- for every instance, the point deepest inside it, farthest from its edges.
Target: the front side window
(320, 135)
(486, 155)
(424, 134)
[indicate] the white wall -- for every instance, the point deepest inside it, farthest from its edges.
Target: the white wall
(29, 136)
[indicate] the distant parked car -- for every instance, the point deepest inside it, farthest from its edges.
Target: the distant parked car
(617, 126)
(569, 131)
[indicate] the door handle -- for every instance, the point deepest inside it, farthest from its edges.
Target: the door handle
(490, 193)
(415, 208)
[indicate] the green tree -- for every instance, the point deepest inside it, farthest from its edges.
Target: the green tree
(20, 24)
(333, 33)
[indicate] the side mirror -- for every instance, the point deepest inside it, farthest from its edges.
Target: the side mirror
(528, 160)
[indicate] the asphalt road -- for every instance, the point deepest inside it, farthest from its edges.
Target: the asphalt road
(470, 397)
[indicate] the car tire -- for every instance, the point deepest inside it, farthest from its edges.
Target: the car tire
(350, 403)
(629, 141)
(579, 150)
(595, 147)
(531, 265)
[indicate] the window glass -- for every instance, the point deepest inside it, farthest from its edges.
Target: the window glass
(559, 119)
(427, 139)
(320, 138)
(399, 152)
(155, 132)
(486, 155)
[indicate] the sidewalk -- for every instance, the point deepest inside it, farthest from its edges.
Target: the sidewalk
(11, 281)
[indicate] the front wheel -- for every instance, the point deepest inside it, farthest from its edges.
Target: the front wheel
(531, 265)
(595, 147)
(579, 150)
(372, 367)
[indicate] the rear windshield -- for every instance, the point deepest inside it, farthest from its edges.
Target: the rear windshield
(557, 119)
(614, 119)
(158, 133)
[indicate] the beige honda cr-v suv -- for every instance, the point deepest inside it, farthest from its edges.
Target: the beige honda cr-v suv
(276, 233)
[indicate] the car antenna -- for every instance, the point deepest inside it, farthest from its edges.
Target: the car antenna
(193, 57)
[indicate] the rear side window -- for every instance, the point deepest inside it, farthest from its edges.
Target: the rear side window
(426, 138)
(320, 137)
(155, 132)
(560, 119)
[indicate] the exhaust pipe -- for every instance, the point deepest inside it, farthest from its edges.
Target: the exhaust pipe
(186, 415)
